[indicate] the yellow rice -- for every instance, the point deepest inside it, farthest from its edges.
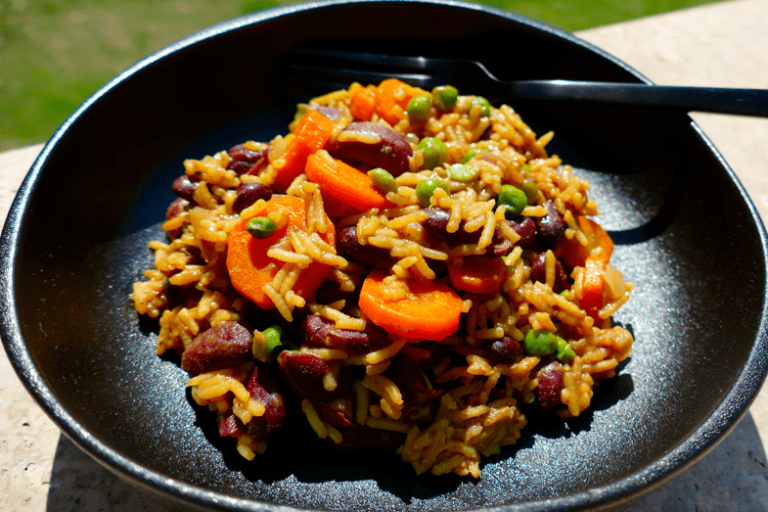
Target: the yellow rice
(481, 408)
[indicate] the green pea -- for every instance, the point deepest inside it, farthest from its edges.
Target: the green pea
(444, 97)
(418, 108)
(383, 180)
(472, 153)
(426, 188)
(526, 168)
(484, 104)
(434, 150)
(273, 335)
(564, 352)
(531, 189)
(539, 343)
(261, 227)
(462, 172)
(513, 198)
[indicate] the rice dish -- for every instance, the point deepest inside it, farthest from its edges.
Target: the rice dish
(406, 270)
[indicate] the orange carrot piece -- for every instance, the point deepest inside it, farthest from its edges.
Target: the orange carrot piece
(344, 183)
(597, 237)
(592, 286)
(249, 266)
(362, 102)
(430, 310)
(479, 274)
(594, 258)
(311, 134)
(393, 93)
(573, 254)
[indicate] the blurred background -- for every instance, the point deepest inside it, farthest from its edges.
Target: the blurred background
(56, 53)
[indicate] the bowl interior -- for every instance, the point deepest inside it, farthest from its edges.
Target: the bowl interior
(685, 235)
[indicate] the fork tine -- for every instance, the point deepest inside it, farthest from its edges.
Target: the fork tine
(336, 69)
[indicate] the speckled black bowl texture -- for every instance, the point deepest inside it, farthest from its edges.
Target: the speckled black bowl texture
(76, 239)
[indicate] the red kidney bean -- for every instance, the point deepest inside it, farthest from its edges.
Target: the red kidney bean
(551, 227)
(243, 154)
(338, 412)
(505, 351)
(184, 187)
(304, 373)
(301, 371)
(539, 273)
(407, 373)
(420, 403)
(247, 160)
(224, 346)
(366, 255)
(388, 149)
(176, 208)
(320, 332)
(314, 330)
(229, 425)
(358, 342)
(266, 388)
(499, 246)
(550, 386)
(435, 225)
(526, 228)
(248, 193)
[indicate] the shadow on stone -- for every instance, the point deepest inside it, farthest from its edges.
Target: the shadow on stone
(733, 476)
(80, 483)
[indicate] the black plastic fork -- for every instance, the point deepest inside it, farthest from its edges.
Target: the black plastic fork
(333, 70)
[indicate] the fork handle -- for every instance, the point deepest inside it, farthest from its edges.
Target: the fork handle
(748, 102)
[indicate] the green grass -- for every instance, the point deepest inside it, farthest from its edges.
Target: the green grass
(55, 53)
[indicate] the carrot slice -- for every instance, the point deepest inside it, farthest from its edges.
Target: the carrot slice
(249, 266)
(362, 101)
(592, 285)
(478, 274)
(429, 311)
(573, 254)
(594, 258)
(597, 237)
(311, 134)
(344, 183)
(392, 97)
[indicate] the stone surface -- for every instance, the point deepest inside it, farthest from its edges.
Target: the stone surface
(717, 45)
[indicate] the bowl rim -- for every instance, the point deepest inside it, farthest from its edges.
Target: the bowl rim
(701, 440)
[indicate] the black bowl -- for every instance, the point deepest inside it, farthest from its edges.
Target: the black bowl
(75, 241)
